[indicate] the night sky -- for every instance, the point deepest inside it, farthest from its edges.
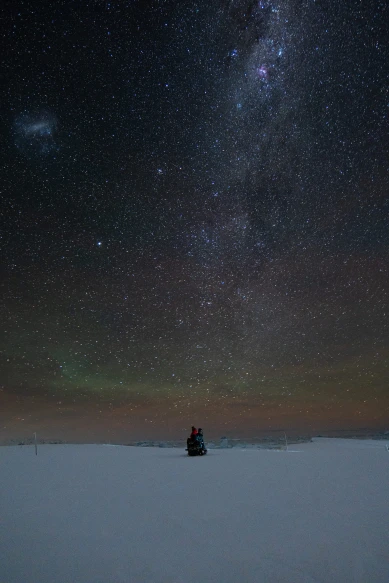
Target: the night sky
(194, 217)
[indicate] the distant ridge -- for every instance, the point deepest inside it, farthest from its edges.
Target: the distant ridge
(224, 442)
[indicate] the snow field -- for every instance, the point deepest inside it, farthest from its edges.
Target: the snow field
(97, 514)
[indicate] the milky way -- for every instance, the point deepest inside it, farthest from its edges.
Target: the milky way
(196, 217)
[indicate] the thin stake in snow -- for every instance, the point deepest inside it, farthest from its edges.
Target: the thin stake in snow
(36, 445)
(286, 442)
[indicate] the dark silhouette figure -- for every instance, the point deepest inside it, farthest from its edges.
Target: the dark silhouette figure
(200, 439)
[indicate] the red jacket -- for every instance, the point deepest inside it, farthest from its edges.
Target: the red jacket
(194, 433)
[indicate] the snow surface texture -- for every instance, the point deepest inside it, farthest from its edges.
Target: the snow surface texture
(99, 514)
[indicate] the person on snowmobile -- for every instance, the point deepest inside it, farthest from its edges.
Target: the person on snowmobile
(193, 435)
(200, 438)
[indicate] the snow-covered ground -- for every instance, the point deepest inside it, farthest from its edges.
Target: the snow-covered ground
(102, 514)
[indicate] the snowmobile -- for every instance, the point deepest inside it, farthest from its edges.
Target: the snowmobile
(195, 447)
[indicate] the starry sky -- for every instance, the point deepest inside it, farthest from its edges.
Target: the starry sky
(194, 217)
